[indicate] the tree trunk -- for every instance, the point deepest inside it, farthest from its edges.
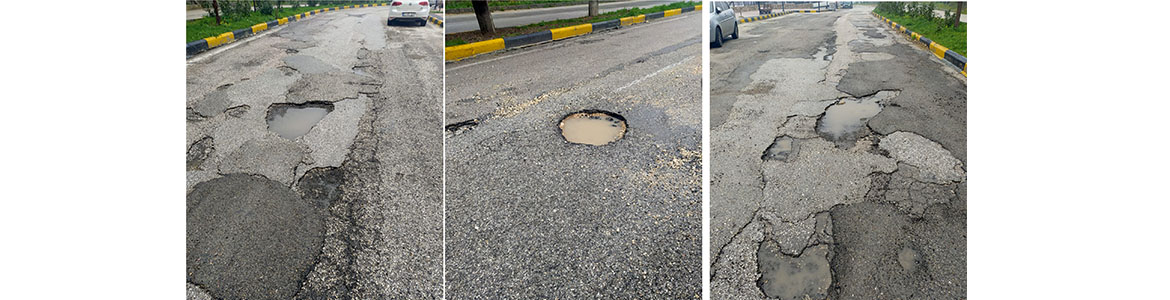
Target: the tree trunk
(215, 11)
(593, 8)
(958, 13)
(483, 14)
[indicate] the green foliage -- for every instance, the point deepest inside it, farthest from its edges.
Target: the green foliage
(240, 14)
(938, 31)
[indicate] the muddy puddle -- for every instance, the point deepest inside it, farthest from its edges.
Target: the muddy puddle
(845, 121)
(593, 127)
(783, 148)
(797, 278)
(294, 120)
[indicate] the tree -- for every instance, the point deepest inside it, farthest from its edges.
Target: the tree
(958, 13)
(215, 10)
(593, 8)
(483, 14)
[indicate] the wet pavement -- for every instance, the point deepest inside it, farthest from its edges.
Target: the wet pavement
(532, 215)
(310, 172)
(838, 163)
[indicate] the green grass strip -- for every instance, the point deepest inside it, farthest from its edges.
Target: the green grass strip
(939, 32)
(205, 27)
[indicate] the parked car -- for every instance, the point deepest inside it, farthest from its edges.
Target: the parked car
(411, 11)
(846, 5)
(722, 21)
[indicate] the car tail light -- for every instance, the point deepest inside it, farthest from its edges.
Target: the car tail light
(424, 3)
(396, 3)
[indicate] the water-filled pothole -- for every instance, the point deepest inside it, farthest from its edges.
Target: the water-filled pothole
(593, 127)
(845, 121)
(783, 148)
(294, 120)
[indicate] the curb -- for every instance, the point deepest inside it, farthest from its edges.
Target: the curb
(456, 53)
(198, 46)
(435, 20)
(939, 51)
(773, 15)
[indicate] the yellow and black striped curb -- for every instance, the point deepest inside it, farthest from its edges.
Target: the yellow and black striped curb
(460, 52)
(438, 21)
(228, 37)
(773, 15)
(939, 51)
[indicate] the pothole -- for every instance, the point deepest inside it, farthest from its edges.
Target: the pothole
(294, 120)
(908, 258)
(785, 277)
(363, 71)
(845, 121)
(593, 127)
(783, 148)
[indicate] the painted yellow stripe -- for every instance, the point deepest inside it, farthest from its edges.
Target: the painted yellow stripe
(472, 49)
(227, 37)
(212, 42)
(938, 50)
(673, 12)
(571, 31)
(633, 20)
(259, 27)
(282, 21)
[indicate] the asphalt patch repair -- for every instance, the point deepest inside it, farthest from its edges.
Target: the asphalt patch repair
(249, 237)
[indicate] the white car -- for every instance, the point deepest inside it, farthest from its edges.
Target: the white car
(414, 11)
(723, 23)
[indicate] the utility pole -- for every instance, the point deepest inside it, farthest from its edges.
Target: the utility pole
(593, 8)
(483, 14)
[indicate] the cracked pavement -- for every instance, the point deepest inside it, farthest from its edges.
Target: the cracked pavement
(838, 163)
(350, 210)
(533, 216)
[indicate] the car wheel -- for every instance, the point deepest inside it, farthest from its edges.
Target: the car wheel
(422, 23)
(718, 38)
(735, 34)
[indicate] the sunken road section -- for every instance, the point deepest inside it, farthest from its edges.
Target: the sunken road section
(455, 53)
(939, 51)
(227, 37)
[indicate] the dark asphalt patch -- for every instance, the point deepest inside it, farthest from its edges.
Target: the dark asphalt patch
(250, 238)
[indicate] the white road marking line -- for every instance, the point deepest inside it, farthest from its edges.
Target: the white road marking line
(655, 73)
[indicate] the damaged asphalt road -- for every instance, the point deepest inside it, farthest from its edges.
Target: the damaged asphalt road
(532, 216)
(344, 203)
(838, 163)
